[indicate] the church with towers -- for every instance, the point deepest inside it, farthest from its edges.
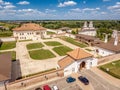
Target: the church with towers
(88, 29)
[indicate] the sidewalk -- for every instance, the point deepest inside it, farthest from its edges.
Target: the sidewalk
(107, 77)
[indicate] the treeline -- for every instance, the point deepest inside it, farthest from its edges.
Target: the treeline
(109, 24)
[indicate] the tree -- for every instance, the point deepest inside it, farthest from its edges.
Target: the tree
(102, 31)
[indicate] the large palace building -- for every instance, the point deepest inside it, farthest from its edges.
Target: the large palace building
(29, 31)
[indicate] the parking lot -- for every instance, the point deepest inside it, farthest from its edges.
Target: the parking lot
(62, 85)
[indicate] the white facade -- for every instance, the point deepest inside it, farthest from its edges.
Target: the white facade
(26, 35)
(75, 66)
(88, 32)
(103, 52)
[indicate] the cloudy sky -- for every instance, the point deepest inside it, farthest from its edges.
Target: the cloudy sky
(59, 9)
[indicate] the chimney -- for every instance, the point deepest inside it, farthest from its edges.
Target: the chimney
(106, 38)
(116, 41)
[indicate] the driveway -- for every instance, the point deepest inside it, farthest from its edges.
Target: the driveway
(98, 82)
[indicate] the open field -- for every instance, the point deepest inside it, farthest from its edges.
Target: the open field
(112, 68)
(52, 43)
(6, 33)
(73, 41)
(41, 54)
(62, 50)
(7, 45)
(34, 46)
(13, 54)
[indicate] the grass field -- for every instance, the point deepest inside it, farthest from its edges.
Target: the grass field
(73, 41)
(62, 50)
(114, 68)
(41, 54)
(6, 34)
(53, 43)
(49, 33)
(34, 46)
(13, 54)
(7, 45)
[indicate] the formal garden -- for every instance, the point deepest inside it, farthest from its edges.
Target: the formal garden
(52, 43)
(7, 45)
(34, 46)
(62, 50)
(73, 41)
(112, 68)
(41, 54)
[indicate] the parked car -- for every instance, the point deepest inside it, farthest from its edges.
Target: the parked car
(46, 87)
(83, 80)
(54, 87)
(38, 88)
(70, 79)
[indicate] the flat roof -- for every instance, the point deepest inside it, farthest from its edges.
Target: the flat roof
(5, 66)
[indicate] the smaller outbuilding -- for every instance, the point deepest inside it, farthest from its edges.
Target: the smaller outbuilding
(76, 60)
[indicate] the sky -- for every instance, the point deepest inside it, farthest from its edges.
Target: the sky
(59, 9)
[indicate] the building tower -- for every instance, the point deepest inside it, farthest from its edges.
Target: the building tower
(116, 41)
(85, 27)
(91, 25)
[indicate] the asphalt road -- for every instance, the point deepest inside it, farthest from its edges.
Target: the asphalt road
(98, 82)
(62, 85)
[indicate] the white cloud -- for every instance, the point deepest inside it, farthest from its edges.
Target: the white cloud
(6, 5)
(106, 0)
(49, 10)
(68, 3)
(76, 10)
(91, 9)
(23, 3)
(115, 8)
(9, 6)
(103, 13)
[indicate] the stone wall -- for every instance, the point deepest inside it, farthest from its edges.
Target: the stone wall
(34, 79)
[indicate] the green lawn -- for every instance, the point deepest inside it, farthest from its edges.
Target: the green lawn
(7, 45)
(114, 68)
(49, 33)
(53, 43)
(13, 54)
(73, 41)
(34, 46)
(41, 54)
(6, 33)
(25, 40)
(62, 50)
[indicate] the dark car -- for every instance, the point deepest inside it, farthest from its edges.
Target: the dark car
(83, 80)
(38, 88)
(70, 79)
(46, 87)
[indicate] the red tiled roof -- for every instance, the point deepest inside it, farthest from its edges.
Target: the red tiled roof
(29, 26)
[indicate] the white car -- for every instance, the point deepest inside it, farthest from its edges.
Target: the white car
(54, 87)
